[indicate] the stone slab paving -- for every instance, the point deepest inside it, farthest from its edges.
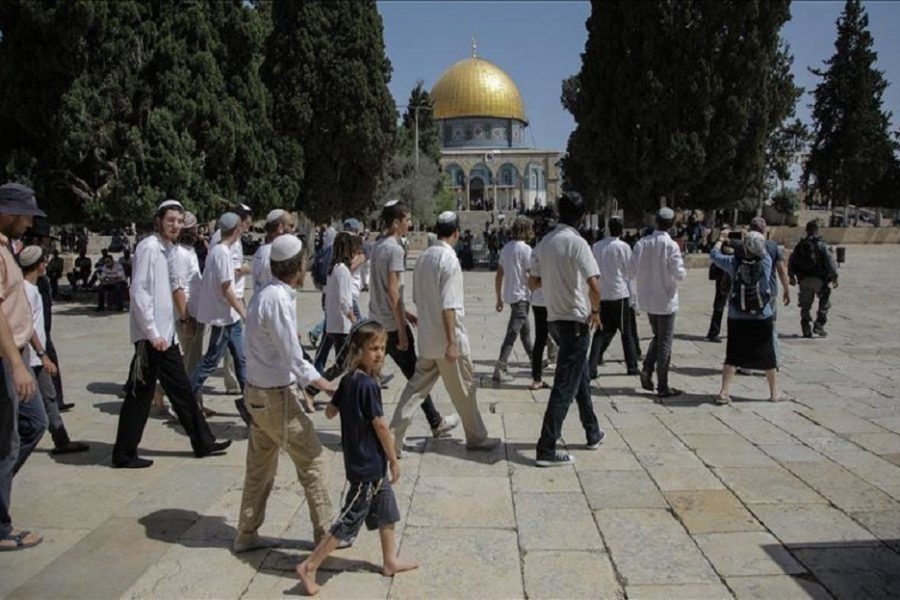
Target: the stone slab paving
(684, 500)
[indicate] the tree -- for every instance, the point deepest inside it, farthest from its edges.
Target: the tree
(333, 116)
(852, 149)
(429, 140)
(676, 100)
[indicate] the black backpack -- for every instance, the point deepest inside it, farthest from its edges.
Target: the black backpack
(749, 288)
(806, 257)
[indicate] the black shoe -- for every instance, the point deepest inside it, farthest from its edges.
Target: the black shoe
(669, 393)
(820, 330)
(646, 381)
(70, 448)
(242, 410)
(557, 460)
(714, 339)
(215, 448)
(594, 443)
(66, 406)
(634, 372)
(807, 332)
(134, 463)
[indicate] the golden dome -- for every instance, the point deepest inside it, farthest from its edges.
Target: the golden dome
(475, 87)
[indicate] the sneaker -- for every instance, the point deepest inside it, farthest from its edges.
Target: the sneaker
(820, 330)
(594, 444)
(646, 381)
(501, 376)
(557, 460)
(447, 425)
(485, 445)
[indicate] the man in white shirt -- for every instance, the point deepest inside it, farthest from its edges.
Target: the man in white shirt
(278, 223)
(387, 308)
(511, 287)
(275, 368)
(613, 258)
(219, 307)
(444, 351)
(156, 355)
(657, 267)
(563, 269)
(112, 284)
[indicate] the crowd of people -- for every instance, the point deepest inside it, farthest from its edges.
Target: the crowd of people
(580, 295)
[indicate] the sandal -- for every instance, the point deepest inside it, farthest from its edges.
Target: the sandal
(20, 541)
(782, 397)
(723, 400)
(538, 385)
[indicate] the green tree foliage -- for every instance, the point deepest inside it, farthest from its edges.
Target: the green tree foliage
(333, 116)
(852, 150)
(109, 107)
(677, 99)
(429, 141)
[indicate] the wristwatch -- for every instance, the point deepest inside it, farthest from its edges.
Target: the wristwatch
(40, 353)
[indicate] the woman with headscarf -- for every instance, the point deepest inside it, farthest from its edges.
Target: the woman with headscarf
(750, 324)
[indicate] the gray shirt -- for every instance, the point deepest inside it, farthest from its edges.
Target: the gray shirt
(387, 257)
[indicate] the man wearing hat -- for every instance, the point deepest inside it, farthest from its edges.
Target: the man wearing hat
(23, 418)
(240, 273)
(219, 307)
(156, 354)
(278, 223)
(657, 267)
(275, 368)
(443, 342)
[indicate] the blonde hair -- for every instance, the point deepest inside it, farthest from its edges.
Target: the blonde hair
(361, 335)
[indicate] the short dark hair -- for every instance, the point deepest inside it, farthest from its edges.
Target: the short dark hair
(571, 208)
(445, 230)
(812, 228)
(664, 224)
(616, 227)
(272, 226)
(391, 213)
(286, 270)
(161, 213)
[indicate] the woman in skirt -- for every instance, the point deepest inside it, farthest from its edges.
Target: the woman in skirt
(750, 343)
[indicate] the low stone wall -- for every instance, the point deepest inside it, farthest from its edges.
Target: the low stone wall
(789, 236)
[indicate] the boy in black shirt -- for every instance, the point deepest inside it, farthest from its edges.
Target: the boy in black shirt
(368, 451)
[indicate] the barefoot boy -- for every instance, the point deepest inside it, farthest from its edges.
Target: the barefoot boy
(368, 451)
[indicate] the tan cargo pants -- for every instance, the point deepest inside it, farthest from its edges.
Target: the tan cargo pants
(280, 422)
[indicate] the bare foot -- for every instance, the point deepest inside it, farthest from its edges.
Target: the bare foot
(398, 566)
(308, 577)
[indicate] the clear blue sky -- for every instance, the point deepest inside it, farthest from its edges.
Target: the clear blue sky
(540, 43)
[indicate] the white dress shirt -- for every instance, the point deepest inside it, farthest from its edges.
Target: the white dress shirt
(212, 306)
(237, 258)
(657, 267)
(537, 296)
(613, 258)
(37, 316)
(438, 286)
(338, 300)
(152, 314)
(184, 274)
(261, 268)
(515, 259)
(564, 264)
(271, 346)
(112, 274)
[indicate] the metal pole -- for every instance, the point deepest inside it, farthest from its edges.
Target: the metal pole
(417, 138)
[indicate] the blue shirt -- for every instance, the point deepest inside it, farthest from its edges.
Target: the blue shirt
(358, 398)
(727, 263)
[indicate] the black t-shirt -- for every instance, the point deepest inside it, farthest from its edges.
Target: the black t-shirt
(358, 398)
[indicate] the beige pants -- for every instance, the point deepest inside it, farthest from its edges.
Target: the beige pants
(279, 422)
(191, 344)
(459, 379)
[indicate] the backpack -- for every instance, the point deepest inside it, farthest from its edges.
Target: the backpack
(806, 257)
(320, 267)
(749, 289)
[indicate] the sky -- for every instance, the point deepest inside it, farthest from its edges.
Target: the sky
(539, 43)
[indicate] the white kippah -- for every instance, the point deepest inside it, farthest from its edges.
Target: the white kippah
(666, 213)
(285, 247)
(169, 203)
(390, 203)
(229, 221)
(190, 220)
(448, 216)
(274, 215)
(30, 255)
(245, 207)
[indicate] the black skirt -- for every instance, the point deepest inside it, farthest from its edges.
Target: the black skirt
(750, 344)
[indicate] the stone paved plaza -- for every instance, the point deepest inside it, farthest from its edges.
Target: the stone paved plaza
(687, 500)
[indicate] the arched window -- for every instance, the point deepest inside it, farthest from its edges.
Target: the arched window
(509, 175)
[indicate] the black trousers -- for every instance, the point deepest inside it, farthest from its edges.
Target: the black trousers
(540, 341)
(723, 287)
(57, 379)
(614, 314)
(406, 360)
(148, 366)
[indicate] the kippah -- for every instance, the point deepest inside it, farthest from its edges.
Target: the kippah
(448, 216)
(273, 215)
(30, 255)
(351, 225)
(285, 247)
(228, 221)
(169, 204)
(190, 220)
(390, 203)
(245, 207)
(666, 213)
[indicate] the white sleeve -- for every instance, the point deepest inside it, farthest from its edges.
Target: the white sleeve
(345, 288)
(288, 345)
(142, 284)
